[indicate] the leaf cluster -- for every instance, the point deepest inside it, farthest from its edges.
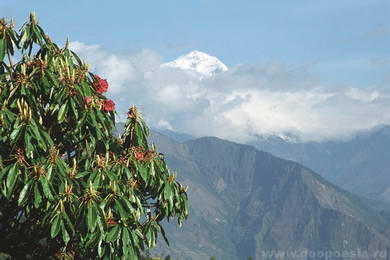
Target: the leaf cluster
(70, 189)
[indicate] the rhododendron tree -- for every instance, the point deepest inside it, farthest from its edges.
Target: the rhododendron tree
(68, 187)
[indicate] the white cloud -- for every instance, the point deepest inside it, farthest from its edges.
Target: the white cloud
(363, 95)
(77, 46)
(240, 103)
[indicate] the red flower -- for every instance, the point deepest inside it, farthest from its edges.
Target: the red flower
(100, 85)
(111, 222)
(108, 105)
(87, 100)
(139, 155)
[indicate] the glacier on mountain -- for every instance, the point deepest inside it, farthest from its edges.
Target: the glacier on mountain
(202, 63)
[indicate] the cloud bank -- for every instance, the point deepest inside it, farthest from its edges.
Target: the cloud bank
(238, 104)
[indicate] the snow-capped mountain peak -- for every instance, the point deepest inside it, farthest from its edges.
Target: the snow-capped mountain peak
(202, 63)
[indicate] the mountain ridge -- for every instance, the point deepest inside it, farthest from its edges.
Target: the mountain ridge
(257, 195)
(245, 202)
(360, 164)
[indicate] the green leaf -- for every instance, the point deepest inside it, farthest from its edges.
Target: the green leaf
(126, 241)
(128, 173)
(55, 226)
(113, 234)
(37, 134)
(10, 44)
(128, 204)
(3, 48)
(47, 138)
(139, 234)
(152, 171)
(92, 119)
(15, 132)
(37, 34)
(81, 175)
(74, 108)
(46, 188)
(28, 145)
(25, 36)
(145, 128)
(62, 112)
(68, 221)
(186, 206)
(122, 211)
(168, 192)
(41, 31)
(65, 234)
(49, 172)
(112, 176)
(92, 177)
(143, 171)
(23, 194)
(45, 82)
(4, 171)
(53, 78)
(135, 240)
(101, 249)
(91, 217)
(37, 196)
(92, 239)
(149, 236)
(11, 179)
(141, 138)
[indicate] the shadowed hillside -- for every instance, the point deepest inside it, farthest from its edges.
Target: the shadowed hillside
(360, 165)
(244, 201)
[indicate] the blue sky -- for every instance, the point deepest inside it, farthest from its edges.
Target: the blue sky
(317, 68)
(340, 39)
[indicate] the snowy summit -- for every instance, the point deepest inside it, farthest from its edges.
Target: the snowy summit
(202, 63)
